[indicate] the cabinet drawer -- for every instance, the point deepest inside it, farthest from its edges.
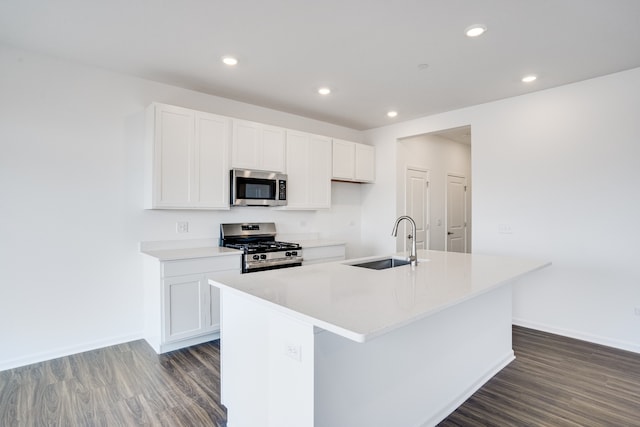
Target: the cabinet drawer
(200, 265)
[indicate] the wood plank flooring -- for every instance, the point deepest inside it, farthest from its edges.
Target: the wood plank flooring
(557, 381)
(123, 385)
(554, 381)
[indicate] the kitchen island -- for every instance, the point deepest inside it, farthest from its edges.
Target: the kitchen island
(335, 344)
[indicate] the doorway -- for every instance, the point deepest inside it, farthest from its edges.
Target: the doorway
(427, 167)
(417, 205)
(456, 215)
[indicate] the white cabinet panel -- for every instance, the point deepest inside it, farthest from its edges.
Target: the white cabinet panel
(353, 161)
(185, 305)
(273, 149)
(181, 308)
(187, 159)
(173, 147)
(212, 167)
(365, 161)
(258, 146)
(212, 321)
(308, 171)
(246, 143)
(344, 157)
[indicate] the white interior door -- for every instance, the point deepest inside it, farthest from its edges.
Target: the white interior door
(456, 213)
(417, 206)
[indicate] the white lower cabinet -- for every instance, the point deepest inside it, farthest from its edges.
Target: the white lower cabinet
(181, 308)
(189, 307)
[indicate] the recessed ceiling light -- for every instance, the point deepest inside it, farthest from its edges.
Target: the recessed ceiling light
(475, 30)
(392, 113)
(529, 79)
(324, 91)
(229, 60)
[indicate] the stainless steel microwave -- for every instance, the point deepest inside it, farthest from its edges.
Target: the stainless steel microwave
(258, 188)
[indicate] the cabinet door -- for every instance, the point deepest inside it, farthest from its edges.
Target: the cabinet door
(212, 167)
(184, 304)
(258, 146)
(173, 142)
(297, 172)
(343, 159)
(365, 163)
(309, 171)
(319, 171)
(246, 147)
(273, 149)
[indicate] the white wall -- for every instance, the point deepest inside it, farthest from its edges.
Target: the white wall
(560, 167)
(440, 156)
(71, 181)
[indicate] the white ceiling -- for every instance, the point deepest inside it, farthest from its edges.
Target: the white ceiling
(367, 51)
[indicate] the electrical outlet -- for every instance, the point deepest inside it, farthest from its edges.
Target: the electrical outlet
(293, 351)
(505, 229)
(182, 227)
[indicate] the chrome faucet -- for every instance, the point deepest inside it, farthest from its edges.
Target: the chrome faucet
(413, 257)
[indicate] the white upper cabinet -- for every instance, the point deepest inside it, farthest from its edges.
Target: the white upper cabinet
(188, 160)
(308, 171)
(365, 169)
(258, 146)
(353, 161)
(344, 158)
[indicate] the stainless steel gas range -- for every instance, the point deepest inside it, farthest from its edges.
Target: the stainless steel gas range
(261, 250)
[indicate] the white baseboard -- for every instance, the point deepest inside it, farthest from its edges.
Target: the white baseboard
(596, 339)
(66, 351)
(164, 348)
(445, 412)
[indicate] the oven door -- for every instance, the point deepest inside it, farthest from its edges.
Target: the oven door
(271, 266)
(258, 188)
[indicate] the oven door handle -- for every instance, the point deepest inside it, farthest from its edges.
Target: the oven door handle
(268, 263)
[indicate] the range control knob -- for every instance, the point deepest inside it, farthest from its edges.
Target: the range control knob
(256, 257)
(263, 256)
(287, 254)
(294, 253)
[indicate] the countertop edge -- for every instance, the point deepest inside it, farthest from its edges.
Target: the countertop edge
(191, 253)
(362, 337)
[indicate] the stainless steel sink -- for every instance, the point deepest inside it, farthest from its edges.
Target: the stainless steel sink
(383, 264)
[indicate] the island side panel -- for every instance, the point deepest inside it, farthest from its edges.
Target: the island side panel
(418, 374)
(267, 365)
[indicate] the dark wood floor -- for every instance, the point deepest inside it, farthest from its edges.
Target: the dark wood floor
(557, 381)
(554, 381)
(123, 385)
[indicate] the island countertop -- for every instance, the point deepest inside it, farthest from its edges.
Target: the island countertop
(360, 304)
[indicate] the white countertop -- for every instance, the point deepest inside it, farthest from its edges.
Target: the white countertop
(173, 250)
(318, 243)
(190, 253)
(360, 304)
